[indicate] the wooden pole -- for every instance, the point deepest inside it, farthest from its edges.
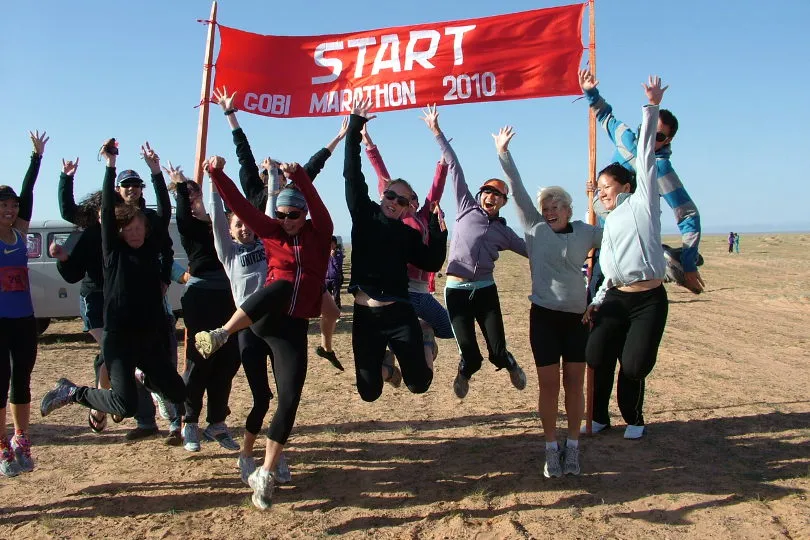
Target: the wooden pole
(591, 214)
(205, 96)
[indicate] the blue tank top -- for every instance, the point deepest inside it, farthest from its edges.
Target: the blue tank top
(15, 291)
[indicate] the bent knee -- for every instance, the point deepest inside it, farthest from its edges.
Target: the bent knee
(369, 394)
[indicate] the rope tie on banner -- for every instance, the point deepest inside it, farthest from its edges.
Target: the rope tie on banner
(209, 100)
(206, 22)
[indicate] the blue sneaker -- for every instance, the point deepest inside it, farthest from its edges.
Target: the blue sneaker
(219, 432)
(191, 437)
(246, 466)
(61, 395)
(282, 473)
(8, 465)
(21, 446)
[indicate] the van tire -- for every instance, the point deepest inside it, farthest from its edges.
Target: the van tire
(42, 325)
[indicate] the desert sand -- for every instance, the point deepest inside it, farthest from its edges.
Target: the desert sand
(727, 454)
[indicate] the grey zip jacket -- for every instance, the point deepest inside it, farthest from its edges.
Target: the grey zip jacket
(631, 244)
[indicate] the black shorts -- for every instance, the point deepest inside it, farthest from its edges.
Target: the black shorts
(554, 334)
(91, 308)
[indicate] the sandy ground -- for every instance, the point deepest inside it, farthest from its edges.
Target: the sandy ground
(727, 455)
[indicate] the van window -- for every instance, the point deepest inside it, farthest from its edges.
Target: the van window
(34, 245)
(60, 238)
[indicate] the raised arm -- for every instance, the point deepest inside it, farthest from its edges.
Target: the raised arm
(319, 215)
(436, 188)
(464, 198)
(376, 160)
(27, 190)
(164, 203)
(620, 133)
(357, 198)
(68, 208)
(226, 250)
(109, 229)
(646, 170)
(526, 210)
(254, 218)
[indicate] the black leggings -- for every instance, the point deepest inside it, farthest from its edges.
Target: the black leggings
(395, 326)
(465, 307)
(18, 352)
(627, 327)
(254, 352)
(206, 309)
(287, 338)
(123, 351)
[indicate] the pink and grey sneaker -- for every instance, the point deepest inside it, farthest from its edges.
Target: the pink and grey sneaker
(21, 446)
(8, 465)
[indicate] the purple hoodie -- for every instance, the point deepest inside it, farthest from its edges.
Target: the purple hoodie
(477, 238)
(334, 271)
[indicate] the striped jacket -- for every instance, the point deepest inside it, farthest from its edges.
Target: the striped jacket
(669, 185)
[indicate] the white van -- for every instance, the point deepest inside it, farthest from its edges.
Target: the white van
(54, 297)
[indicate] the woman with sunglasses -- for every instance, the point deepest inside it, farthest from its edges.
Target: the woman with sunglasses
(433, 317)
(557, 247)
(207, 303)
(254, 185)
(629, 312)
(382, 247)
(470, 291)
(297, 251)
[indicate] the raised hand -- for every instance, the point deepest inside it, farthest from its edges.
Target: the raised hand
(431, 118)
(653, 89)
(366, 137)
(361, 107)
(289, 169)
(39, 141)
(223, 99)
(109, 152)
(437, 209)
(586, 80)
(269, 163)
(344, 127)
(151, 158)
(503, 137)
(175, 174)
(215, 162)
(57, 252)
(69, 167)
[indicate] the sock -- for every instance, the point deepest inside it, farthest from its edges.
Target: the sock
(552, 446)
(571, 443)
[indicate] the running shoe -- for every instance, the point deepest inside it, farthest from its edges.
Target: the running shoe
(246, 466)
(141, 433)
(21, 446)
(175, 438)
(461, 385)
(282, 473)
(8, 465)
(571, 461)
(553, 466)
(262, 483)
(191, 437)
(162, 406)
(518, 377)
(596, 427)
(61, 395)
(219, 432)
(395, 379)
(207, 343)
(635, 432)
(329, 355)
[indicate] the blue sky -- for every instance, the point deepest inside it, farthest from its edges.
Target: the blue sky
(85, 71)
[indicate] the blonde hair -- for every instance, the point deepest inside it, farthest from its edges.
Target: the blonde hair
(556, 194)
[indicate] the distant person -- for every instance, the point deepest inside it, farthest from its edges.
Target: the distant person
(669, 185)
(731, 237)
(736, 242)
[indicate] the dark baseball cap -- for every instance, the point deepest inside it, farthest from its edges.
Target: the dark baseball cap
(128, 178)
(7, 192)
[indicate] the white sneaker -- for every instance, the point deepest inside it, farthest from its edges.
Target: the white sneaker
(191, 437)
(571, 461)
(553, 466)
(208, 342)
(282, 473)
(262, 483)
(246, 466)
(596, 427)
(635, 432)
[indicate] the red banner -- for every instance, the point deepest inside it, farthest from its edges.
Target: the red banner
(515, 56)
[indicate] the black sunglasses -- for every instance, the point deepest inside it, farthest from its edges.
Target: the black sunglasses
(661, 137)
(492, 191)
(392, 195)
(281, 216)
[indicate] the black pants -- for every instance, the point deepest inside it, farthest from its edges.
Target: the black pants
(287, 338)
(18, 353)
(465, 307)
(333, 286)
(254, 352)
(207, 309)
(554, 334)
(395, 326)
(627, 327)
(123, 351)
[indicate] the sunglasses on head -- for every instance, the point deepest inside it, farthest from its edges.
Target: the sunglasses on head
(392, 195)
(492, 191)
(661, 137)
(295, 214)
